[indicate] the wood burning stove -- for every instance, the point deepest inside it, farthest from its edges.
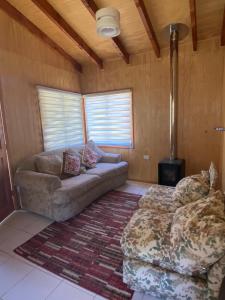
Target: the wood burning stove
(171, 170)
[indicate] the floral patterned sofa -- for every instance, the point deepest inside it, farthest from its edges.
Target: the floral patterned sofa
(174, 245)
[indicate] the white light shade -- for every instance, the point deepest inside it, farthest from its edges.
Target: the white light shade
(108, 22)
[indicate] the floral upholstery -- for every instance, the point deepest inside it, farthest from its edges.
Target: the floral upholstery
(173, 250)
(215, 278)
(159, 197)
(191, 188)
(158, 282)
(157, 190)
(213, 175)
(198, 234)
(147, 237)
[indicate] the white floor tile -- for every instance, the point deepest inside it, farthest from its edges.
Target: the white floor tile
(15, 238)
(68, 292)
(138, 296)
(6, 232)
(3, 257)
(135, 187)
(79, 287)
(11, 272)
(149, 297)
(99, 298)
(129, 189)
(28, 222)
(36, 285)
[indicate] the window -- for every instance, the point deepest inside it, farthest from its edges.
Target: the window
(109, 118)
(61, 116)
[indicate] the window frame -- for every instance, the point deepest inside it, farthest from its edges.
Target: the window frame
(84, 113)
(39, 110)
(131, 116)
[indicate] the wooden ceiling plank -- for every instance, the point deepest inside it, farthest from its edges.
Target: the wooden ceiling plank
(223, 30)
(193, 23)
(148, 25)
(50, 11)
(92, 8)
(12, 12)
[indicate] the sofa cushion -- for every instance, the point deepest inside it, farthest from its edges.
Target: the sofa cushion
(157, 190)
(191, 188)
(159, 197)
(161, 283)
(49, 164)
(111, 158)
(198, 234)
(74, 187)
(107, 170)
(91, 144)
(147, 237)
(89, 157)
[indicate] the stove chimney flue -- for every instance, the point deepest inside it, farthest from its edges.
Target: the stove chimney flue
(174, 37)
(174, 33)
(172, 169)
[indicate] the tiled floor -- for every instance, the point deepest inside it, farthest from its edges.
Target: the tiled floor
(22, 280)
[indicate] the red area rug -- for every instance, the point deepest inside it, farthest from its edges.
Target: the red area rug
(86, 249)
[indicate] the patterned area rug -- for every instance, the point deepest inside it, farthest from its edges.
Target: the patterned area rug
(86, 249)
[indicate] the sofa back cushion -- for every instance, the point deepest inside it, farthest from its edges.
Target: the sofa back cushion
(191, 188)
(49, 164)
(29, 164)
(91, 144)
(198, 234)
(89, 157)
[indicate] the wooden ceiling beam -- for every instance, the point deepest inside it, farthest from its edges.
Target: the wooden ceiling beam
(192, 4)
(92, 8)
(12, 12)
(223, 30)
(50, 11)
(148, 25)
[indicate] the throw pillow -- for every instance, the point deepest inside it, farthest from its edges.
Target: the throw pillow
(49, 164)
(91, 144)
(71, 164)
(198, 234)
(191, 188)
(89, 157)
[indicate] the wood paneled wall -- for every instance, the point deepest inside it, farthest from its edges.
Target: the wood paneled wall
(200, 102)
(222, 134)
(26, 61)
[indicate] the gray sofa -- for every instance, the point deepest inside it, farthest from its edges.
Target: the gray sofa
(60, 200)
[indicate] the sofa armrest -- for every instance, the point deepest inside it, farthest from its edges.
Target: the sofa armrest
(111, 158)
(215, 278)
(37, 181)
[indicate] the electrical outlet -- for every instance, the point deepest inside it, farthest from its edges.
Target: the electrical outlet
(146, 157)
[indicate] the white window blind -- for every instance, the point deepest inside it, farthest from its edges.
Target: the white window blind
(61, 116)
(109, 118)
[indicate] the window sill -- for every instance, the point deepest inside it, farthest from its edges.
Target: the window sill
(117, 147)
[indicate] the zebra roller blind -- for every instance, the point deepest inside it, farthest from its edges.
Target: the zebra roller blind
(109, 118)
(61, 116)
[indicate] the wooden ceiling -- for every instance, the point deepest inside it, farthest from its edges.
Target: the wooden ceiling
(71, 26)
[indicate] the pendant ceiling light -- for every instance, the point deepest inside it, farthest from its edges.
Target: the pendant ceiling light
(108, 22)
